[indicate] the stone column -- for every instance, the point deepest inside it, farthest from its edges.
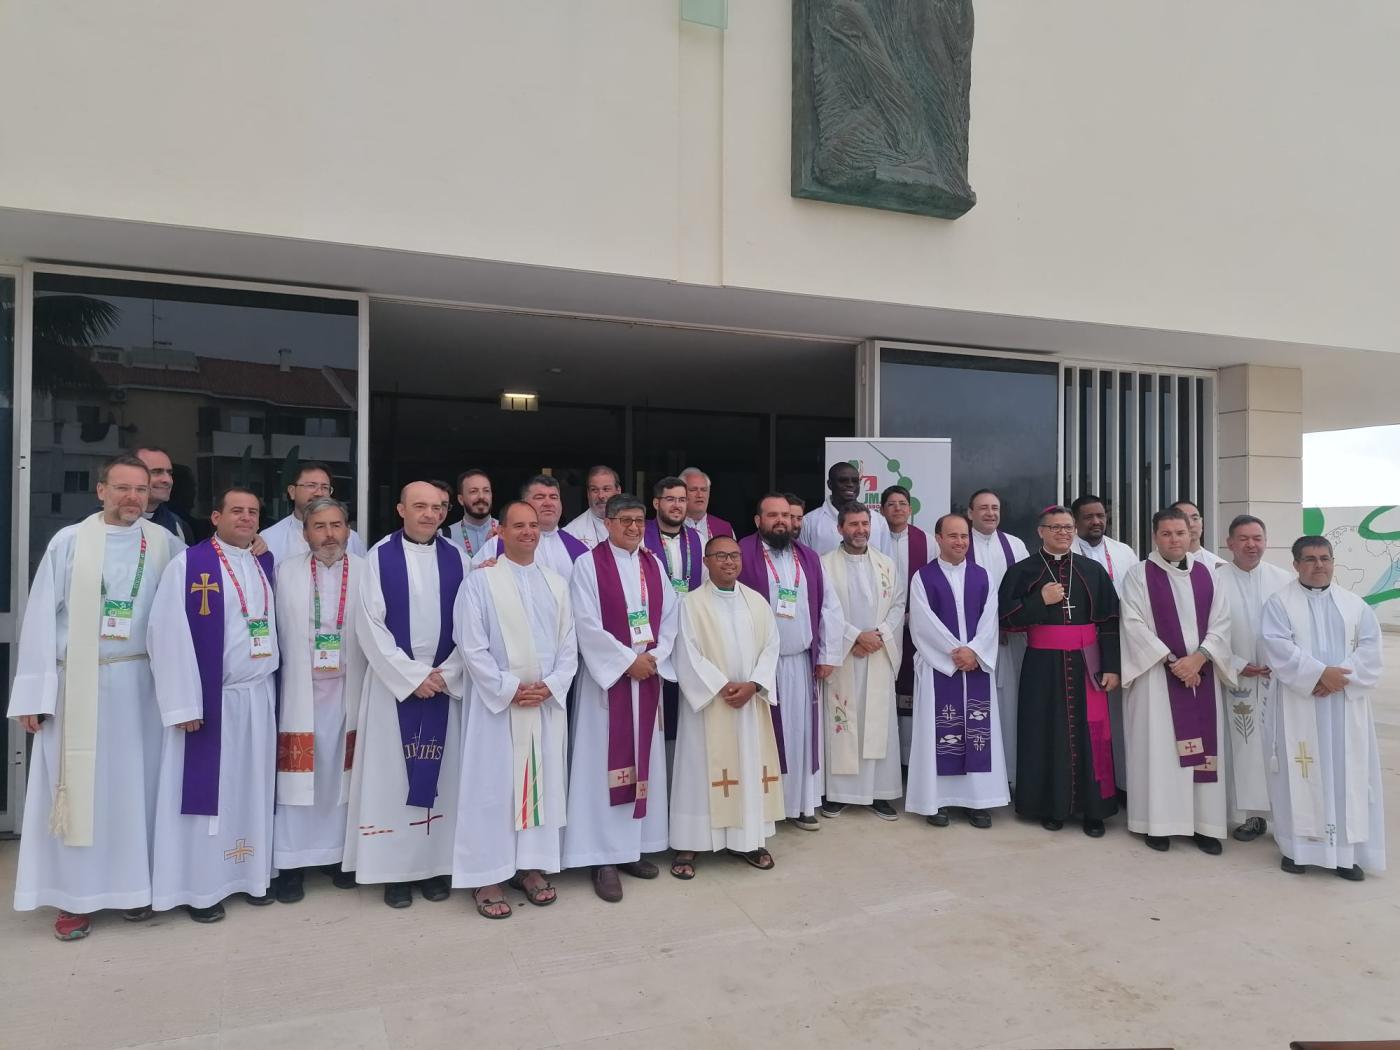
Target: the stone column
(1260, 451)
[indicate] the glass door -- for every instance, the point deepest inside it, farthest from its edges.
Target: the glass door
(11, 740)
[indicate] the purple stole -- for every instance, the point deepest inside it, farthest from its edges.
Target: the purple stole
(204, 609)
(719, 527)
(690, 540)
(1193, 710)
(629, 758)
(572, 544)
(754, 573)
(422, 723)
(918, 558)
(1005, 550)
(962, 729)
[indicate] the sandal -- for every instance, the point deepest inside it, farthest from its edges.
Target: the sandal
(534, 896)
(683, 864)
(755, 858)
(482, 905)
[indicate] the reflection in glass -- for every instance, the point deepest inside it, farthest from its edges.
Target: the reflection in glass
(240, 387)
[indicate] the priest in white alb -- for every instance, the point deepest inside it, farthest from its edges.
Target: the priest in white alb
(557, 550)
(727, 786)
(83, 686)
(286, 537)
(996, 551)
(213, 645)
(821, 529)
(1176, 657)
(625, 617)
(1196, 524)
(862, 733)
(408, 734)
(590, 527)
(1323, 644)
(477, 526)
(1248, 581)
(322, 674)
(515, 631)
(957, 761)
(909, 547)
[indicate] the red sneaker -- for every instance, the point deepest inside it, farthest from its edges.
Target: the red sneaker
(69, 927)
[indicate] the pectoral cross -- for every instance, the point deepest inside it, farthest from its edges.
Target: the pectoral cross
(768, 779)
(1304, 759)
(202, 588)
(724, 783)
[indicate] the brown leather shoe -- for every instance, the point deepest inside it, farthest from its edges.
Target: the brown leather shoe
(640, 869)
(607, 884)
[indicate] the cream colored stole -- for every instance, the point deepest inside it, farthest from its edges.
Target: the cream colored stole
(72, 814)
(1307, 768)
(526, 723)
(727, 782)
(844, 751)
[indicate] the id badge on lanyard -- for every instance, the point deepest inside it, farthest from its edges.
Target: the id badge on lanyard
(116, 619)
(787, 603)
(326, 656)
(640, 625)
(259, 638)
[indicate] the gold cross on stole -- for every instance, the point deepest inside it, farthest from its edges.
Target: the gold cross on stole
(1304, 759)
(202, 588)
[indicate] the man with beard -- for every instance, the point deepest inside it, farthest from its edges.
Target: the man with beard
(557, 550)
(797, 507)
(789, 575)
(680, 551)
(477, 526)
(591, 526)
(910, 545)
(322, 674)
(1196, 525)
(819, 528)
(1069, 609)
(158, 510)
(287, 537)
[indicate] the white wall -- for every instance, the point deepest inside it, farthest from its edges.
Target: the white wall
(1224, 168)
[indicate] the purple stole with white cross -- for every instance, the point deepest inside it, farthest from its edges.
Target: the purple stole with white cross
(962, 701)
(1193, 710)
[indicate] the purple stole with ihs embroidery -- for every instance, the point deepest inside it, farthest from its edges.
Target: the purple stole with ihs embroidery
(422, 722)
(204, 610)
(629, 747)
(1193, 710)
(962, 701)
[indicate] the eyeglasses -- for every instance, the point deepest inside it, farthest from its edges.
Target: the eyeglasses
(670, 499)
(315, 486)
(1058, 528)
(630, 523)
(725, 555)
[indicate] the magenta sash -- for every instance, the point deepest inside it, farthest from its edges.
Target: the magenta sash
(629, 750)
(1084, 637)
(1193, 710)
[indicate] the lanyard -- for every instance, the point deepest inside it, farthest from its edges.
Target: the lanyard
(242, 600)
(682, 539)
(140, 571)
(797, 569)
(466, 540)
(641, 573)
(344, 585)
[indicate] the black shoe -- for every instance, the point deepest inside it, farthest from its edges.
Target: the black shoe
(260, 902)
(1093, 827)
(979, 818)
(641, 868)
(435, 889)
(1352, 874)
(1251, 829)
(398, 894)
(1293, 869)
(288, 886)
(211, 914)
(1159, 842)
(884, 810)
(832, 809)
(1206, 844)
(340, 878)
(1051, 824)
(807, 822)
(140, 914)
(941, 818)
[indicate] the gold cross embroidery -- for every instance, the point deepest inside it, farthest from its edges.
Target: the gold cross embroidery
(767, 779)
(202, 588)
(1304, 759)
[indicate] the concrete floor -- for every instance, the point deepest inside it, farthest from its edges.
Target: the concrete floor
(866, 933)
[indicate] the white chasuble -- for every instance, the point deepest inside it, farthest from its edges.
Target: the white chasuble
(726, 790)
(933, 647)
(318, 710)
(199, 860)
(386, 839)
(1247, 701)
(1324, 762)
(1164, 796)
(862, 734)
(112, 868)
(515, 627)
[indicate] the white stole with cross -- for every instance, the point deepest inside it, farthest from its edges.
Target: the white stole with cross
(527, 723)
(727, 788)
(1306, 770)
